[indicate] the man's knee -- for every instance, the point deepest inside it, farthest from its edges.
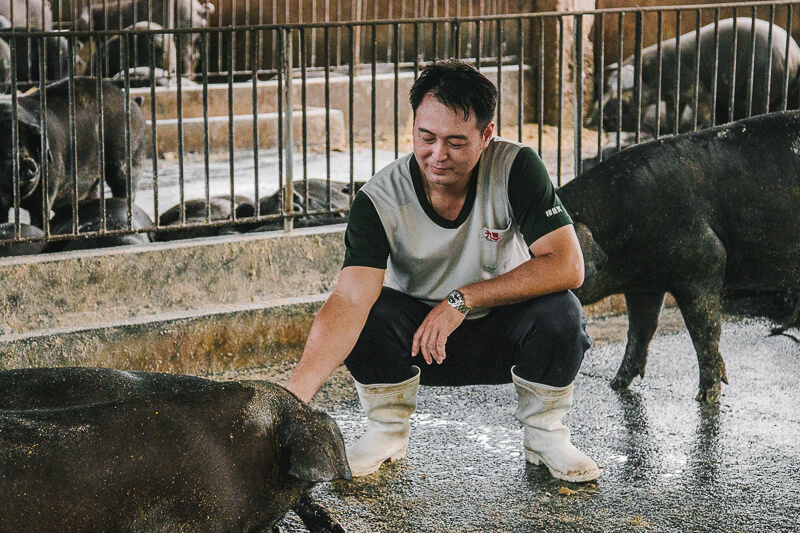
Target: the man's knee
(559, 318)
(553, 350)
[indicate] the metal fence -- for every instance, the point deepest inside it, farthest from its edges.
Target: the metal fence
(188, 125)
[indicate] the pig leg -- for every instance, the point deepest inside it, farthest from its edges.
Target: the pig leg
(643, 311)
(316, 517)
(703, 317)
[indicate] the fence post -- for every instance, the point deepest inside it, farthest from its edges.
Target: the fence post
(577, 23)
(551, 43)
(288, 138)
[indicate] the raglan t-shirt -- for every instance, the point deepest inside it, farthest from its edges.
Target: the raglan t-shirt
(510, 203)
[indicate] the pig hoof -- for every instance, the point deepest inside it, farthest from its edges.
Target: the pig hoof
(710, 394)
(620, 383)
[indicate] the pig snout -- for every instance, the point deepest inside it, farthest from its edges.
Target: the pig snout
(28, 175)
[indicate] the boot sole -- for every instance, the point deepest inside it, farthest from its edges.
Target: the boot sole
(579, 477)
(396, 456)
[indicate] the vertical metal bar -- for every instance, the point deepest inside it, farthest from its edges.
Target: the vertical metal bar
(254, 51)
(620, 35)
(231, 140)
(560, 94)
(434, 41)
(677, 104)
(637, 82)
(696, 100)
(416, 50)
(478, 43)
(500, 80)
(73, 150)
(540, 92)
(715, 83)
(288, 144)
(734, 57)
(600, 37)
(351, 103)
(206, 141)
(770, 39)
(577, 124)
(520, 78)
(752, 64)
(313, 34)
(304, 107)
(128, 151)
(45, 167)
(327, 49)
(396, 118)
(281, 49)
(154, 133)
(179, 101)
(785, 99)
(374, 89)
(101, 159)
(15, 135)
(247, 37)
(455, 29)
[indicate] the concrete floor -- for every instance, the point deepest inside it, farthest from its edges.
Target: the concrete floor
(668, 463)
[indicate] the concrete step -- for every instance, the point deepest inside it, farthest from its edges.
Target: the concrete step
(167, 131)
(202, 341)
(191, 99)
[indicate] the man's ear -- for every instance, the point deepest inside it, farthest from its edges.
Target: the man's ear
(488, 133)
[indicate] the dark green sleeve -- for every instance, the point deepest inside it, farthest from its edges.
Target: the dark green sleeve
(365, 238)
(533, 199)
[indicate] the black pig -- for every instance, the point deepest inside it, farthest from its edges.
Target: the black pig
(10, 245)
(102, 450)
(120, 14)
(59, 164)
(90, 219)
(771, 67)
(318, 199)
(694, 215)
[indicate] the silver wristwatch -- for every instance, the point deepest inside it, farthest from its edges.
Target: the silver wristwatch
(456, 300)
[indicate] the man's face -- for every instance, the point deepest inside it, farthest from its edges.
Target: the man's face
(446, 146)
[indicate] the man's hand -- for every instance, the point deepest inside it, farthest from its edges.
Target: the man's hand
(432, 335)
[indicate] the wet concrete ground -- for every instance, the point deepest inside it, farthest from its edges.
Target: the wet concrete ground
(668, 463)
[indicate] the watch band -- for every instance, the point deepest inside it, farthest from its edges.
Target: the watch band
(456, 301)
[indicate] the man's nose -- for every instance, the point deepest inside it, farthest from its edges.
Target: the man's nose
(440, 151)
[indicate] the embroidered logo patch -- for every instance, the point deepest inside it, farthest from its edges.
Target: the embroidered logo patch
(553, 211)
(491, 236)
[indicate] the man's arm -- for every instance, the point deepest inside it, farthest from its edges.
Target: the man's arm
(557, 265)
(336, 329)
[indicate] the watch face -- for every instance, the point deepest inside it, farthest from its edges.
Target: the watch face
(454, 298)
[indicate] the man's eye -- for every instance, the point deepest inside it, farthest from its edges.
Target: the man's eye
(457, 146)
(428, 140)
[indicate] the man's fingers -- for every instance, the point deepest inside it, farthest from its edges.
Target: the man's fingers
(423, 342)
(440, 344)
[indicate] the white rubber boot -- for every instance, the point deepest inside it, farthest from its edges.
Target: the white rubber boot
(388, 407)
(546, 440)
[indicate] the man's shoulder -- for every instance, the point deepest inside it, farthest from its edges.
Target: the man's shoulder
(392, 183)
(500, 148)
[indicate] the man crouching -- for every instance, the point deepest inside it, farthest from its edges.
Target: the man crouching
(479, 257)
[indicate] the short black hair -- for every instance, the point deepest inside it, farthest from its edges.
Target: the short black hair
(460, 87)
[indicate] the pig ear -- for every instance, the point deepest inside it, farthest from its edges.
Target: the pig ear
(316, 447)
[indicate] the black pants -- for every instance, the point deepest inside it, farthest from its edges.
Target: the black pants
(545, 337)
